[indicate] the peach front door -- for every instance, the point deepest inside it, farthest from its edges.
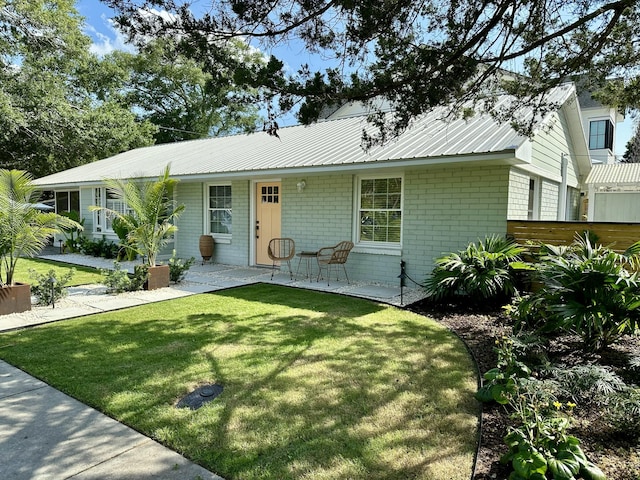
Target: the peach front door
(268, 198)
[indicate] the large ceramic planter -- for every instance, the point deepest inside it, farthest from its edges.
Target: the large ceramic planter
(206, 247)
(15, 298)
(158, 277)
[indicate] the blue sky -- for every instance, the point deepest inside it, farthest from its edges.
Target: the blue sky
(107, 39)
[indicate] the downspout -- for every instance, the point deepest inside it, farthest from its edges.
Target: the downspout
(562, 194)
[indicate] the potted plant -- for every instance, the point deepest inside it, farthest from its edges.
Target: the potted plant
(24, 231)
(150, 213)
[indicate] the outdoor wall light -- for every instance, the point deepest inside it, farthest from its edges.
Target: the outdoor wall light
(301, 184)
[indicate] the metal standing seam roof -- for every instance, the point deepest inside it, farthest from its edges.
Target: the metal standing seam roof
(614, 174)
(327, 143)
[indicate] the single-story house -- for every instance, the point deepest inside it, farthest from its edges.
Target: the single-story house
(440, 185)
(614, 193)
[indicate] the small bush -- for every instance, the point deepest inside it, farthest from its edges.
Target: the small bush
(48, 287)
(118, 280)
(624, 413)
(178, 267)
(588, 384)
(99, 248)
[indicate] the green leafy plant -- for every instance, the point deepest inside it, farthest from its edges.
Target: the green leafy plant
(122, 229)
(24, 230)
(48, 287)
(151, 212)
(623, 412)
(102, 248)
(585, 289)
(502, 382)
(584, 384)
(118, 280)
(539, 446)
(72, 233)
(178, 267)
(484, 270)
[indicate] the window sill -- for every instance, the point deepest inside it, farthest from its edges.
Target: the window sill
(395, 251)
(222, 240)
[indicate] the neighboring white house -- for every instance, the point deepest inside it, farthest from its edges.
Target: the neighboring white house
(599, 124)
(441, 185)
(614, 193)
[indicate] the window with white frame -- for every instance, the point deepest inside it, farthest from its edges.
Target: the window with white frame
(380, 210)
(102, 220)
(220, 213)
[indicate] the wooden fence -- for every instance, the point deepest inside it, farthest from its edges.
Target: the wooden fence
(619, 236)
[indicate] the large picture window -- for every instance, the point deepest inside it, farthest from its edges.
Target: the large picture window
(601, 135)
(380, 210)
(220, 213)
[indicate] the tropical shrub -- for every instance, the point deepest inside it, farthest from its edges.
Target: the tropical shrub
(482, 271)
(122, 229)
(178, 267)
(72, 233)
(24, 230)
(587, 290)
(48, 287)
(151, 212)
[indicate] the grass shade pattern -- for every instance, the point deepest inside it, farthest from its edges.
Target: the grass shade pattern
(82, 276)
(316, 386)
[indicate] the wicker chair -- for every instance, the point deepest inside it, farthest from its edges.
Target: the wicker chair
(281, 250)
(336, 255)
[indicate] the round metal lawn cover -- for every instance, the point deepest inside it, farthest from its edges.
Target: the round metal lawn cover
(200, 396)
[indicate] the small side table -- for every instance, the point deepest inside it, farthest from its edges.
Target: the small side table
(308, 257)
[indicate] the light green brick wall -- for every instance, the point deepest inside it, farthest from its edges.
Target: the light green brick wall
(444, 209)
(321, 215)
(192, 223)
(237, 252)
(447, 208)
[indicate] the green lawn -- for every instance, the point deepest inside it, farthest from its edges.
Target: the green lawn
(316, 386)
(82, 276)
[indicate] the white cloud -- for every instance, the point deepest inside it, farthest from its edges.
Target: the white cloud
(103, 44)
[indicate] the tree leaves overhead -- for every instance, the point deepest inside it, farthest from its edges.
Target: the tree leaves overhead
(416, 54)
(173, 91)
(50, 117)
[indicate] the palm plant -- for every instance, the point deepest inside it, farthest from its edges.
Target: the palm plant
(150, 214)
(589, 290)
(481, 271)
(24, 230)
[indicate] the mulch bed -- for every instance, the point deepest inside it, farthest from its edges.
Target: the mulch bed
(617, 456)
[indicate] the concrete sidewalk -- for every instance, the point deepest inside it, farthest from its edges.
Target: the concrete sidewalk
(46, 434)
